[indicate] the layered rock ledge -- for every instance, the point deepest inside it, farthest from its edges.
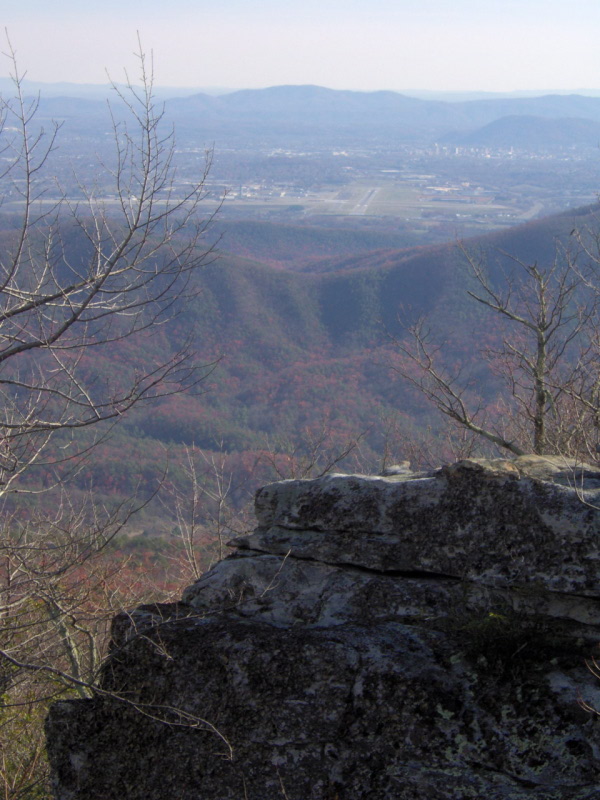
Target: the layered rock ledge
(410, 637)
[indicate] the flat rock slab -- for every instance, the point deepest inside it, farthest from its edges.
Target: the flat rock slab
(289, 591)
(476, 520)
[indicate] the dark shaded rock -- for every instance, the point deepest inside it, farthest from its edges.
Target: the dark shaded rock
(369, 641)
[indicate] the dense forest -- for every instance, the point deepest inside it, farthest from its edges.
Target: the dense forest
(298, 345)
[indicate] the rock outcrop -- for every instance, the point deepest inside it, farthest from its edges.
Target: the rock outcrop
(407, 637)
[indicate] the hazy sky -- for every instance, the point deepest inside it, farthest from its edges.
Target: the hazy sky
(496, 45)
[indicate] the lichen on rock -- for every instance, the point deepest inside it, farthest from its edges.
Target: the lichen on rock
(402, 637)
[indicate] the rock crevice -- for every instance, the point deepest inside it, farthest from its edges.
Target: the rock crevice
(403, 637)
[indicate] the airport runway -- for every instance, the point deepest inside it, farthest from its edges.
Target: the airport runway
(364, 202)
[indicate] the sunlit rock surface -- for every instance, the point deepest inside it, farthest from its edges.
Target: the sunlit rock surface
(416, 637)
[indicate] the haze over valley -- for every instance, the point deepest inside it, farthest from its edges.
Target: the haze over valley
(430, 170)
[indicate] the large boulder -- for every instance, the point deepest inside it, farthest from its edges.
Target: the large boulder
(400, 637)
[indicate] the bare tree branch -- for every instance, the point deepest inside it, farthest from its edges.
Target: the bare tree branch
(547, 356)
(77, 280)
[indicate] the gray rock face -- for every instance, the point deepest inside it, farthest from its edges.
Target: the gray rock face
(409, 637)
(487, 522)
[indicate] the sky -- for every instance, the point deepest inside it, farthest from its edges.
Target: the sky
(442, 45)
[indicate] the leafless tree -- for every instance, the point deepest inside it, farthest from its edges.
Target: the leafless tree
(311, 454)
(61, 308)
(546, 357)
(135, 257)
(210, 501)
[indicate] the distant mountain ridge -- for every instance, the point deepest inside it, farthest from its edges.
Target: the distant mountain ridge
(101, 90)
(314, 106)
(314, 110)
(530, 133)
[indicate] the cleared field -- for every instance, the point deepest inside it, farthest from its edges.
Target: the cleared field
(403, 200)
(385, 198)
(396, 200)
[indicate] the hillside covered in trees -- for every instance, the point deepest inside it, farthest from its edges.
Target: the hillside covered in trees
(304, 347)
